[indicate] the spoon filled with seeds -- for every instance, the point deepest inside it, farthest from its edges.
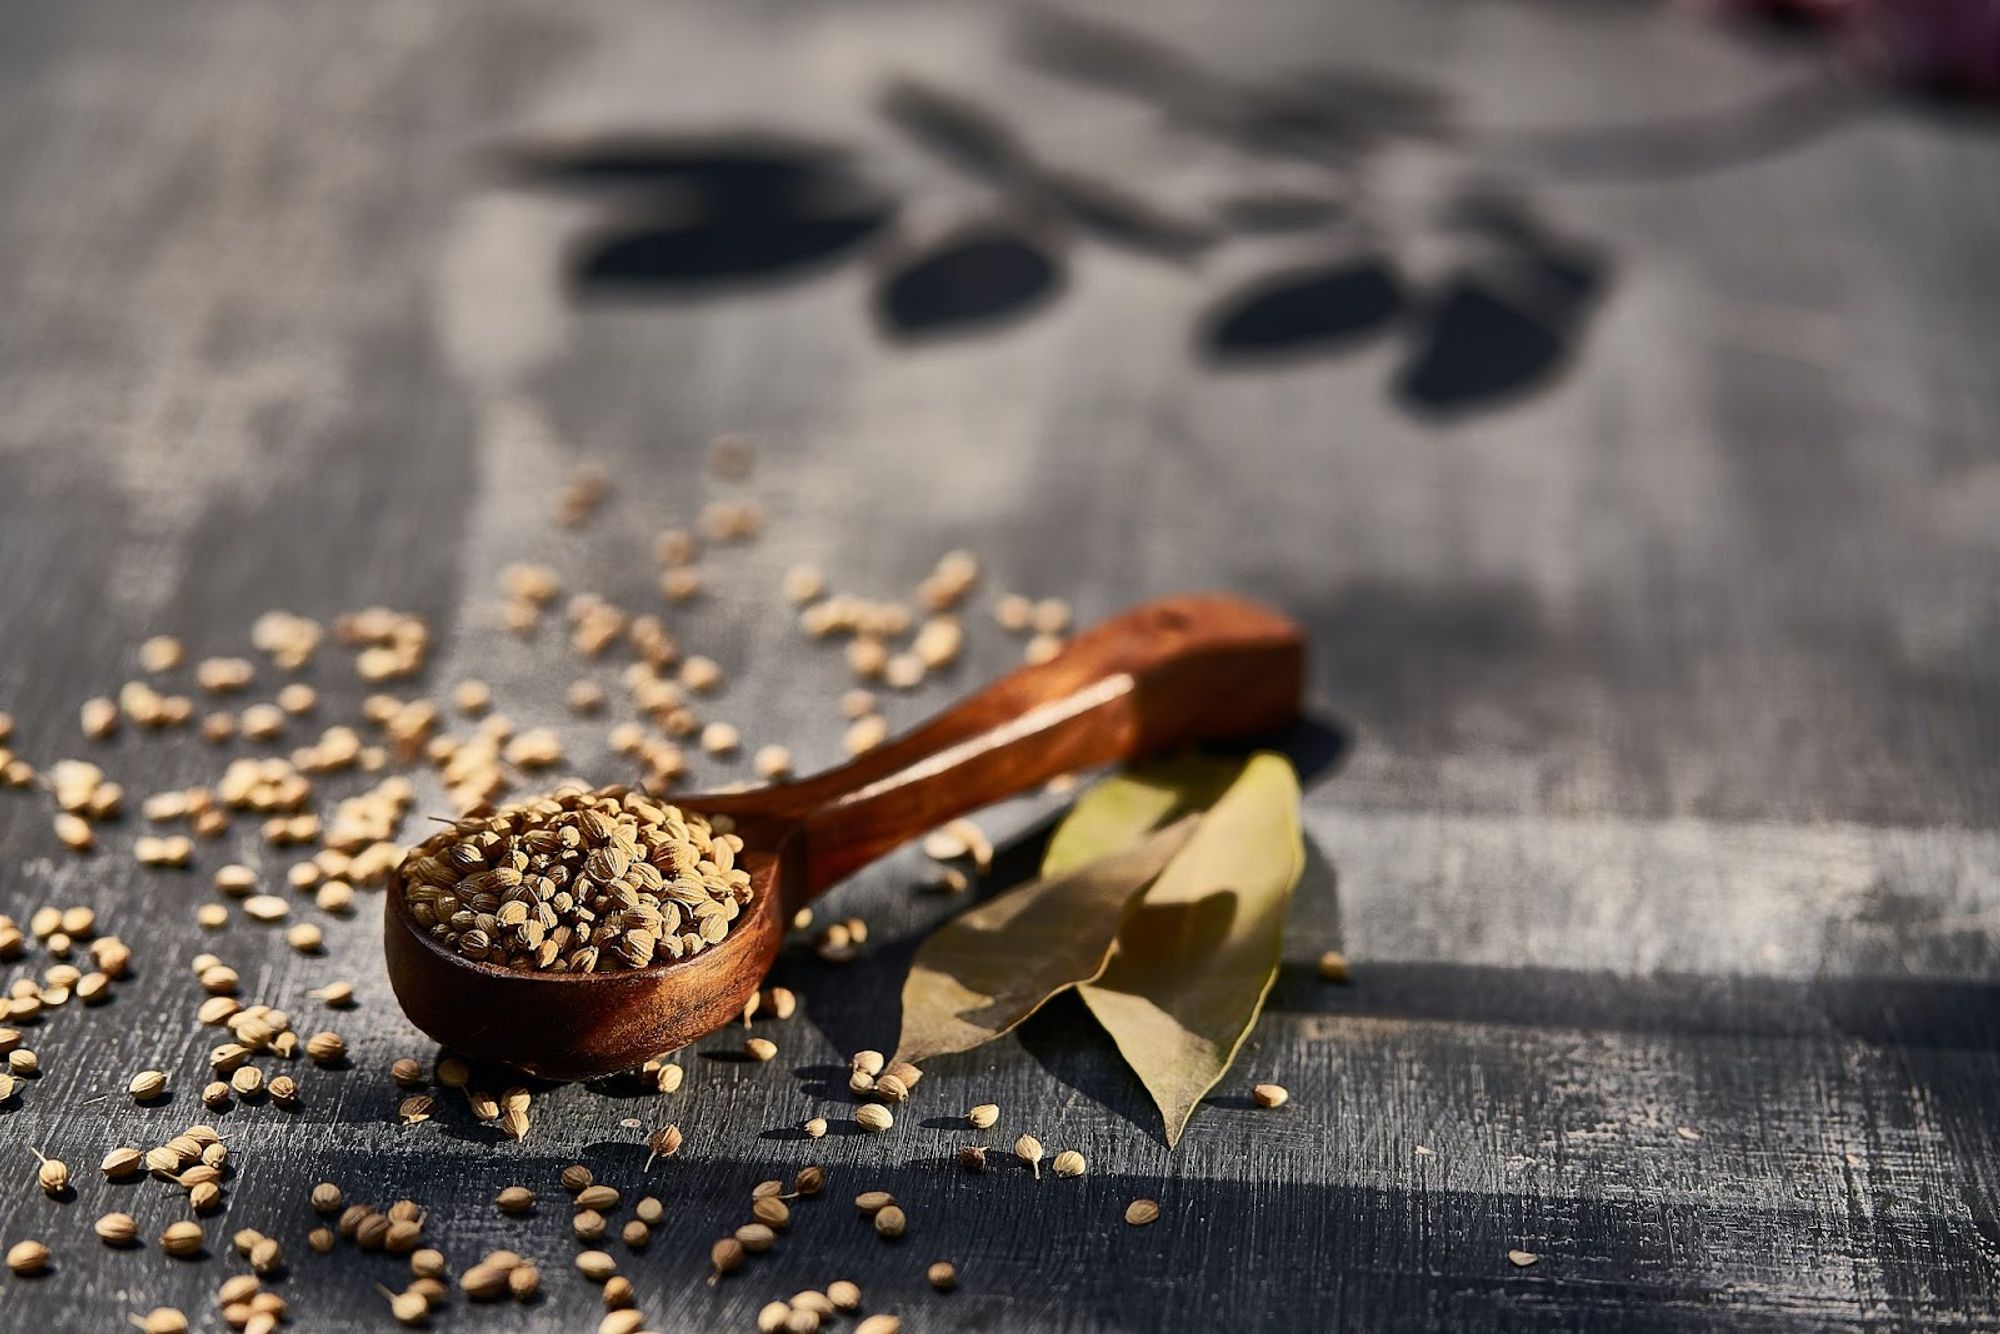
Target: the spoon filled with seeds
(587, 931)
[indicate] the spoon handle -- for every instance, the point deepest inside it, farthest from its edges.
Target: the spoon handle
(1182, 670)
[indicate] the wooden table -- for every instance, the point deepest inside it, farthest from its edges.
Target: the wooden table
(1620, 422)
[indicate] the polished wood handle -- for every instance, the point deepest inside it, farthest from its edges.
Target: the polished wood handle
(1171, 673)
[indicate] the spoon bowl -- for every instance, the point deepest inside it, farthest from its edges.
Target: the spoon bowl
(1183, 670)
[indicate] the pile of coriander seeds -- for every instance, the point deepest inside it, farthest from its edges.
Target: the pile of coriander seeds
(577, 882)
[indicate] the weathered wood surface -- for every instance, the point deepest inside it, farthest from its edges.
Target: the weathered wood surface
(1670, 678)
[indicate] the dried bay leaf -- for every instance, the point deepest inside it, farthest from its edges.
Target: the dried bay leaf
(992, 966)
(1118, 811)
(1193, 963)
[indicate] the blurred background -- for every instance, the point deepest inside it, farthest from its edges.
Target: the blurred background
(1606, 385)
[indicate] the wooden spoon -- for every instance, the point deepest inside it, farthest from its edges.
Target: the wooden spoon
(1167, 674)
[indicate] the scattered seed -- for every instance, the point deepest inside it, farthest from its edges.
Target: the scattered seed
(890, 1222)
(53, 1174)
(880, 1324)
(1069, 1163)
(147, 1085)
(27, 1257)
(597, 1197)
(724, 1256)
(664, 1143)
(983, 1116)
(182, 1240)
(815, 1128)
(772, 1212)
(116, 1229)
(874, 1117)
(756, 1238)
(1522, 1259)
(760, 1049)
(972, 1158)
(1270, 1095)
(873, 1201)
(1029, 1150)
(943, 1275)
(1141, 1212)
(515, 1200)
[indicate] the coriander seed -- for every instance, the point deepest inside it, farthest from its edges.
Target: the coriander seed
(874, 1118)
(27, 1257)
(182, 1240)
(815, 1128)
(942, 1275)
(1270, 1095)
(1029, 1150)
(116, 1229)
(1069, 1163)
(515, 1200)
(890, 1223)
(1141, 1212)
(756, 1238)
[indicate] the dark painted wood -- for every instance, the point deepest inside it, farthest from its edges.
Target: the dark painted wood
(1656, 651)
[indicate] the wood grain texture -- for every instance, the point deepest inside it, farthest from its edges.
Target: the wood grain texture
(1670, 683)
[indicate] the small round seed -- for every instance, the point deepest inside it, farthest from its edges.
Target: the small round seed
(523, 1282)
(1069, 1163)
(845, 1296)
(874, 1117)
(121, 1163)
(973, 1158)
(1029, 1150)
(326, 1048)
(635, 1234)
(588, 1225)
(760, 1049)
(650, 1210)
(756, 1237)
(182, 1240)
(596, 1265)
(890, 1223)
(873, 1201)
(117, 1229)
(1141, 1212)
(1270, 1095)
(327, 1199)
(515, 1200)
(1333, 966)
(27, 1257)
(772, 1212)
(724, 1256)
(816, 1127)
(597, 1197)
(576, 1177)
(943, 1275)
(983, 1116)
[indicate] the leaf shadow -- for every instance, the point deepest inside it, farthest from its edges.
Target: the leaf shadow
(1508, 321)
(698, 215)
(1315, 310)
(983, 276)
